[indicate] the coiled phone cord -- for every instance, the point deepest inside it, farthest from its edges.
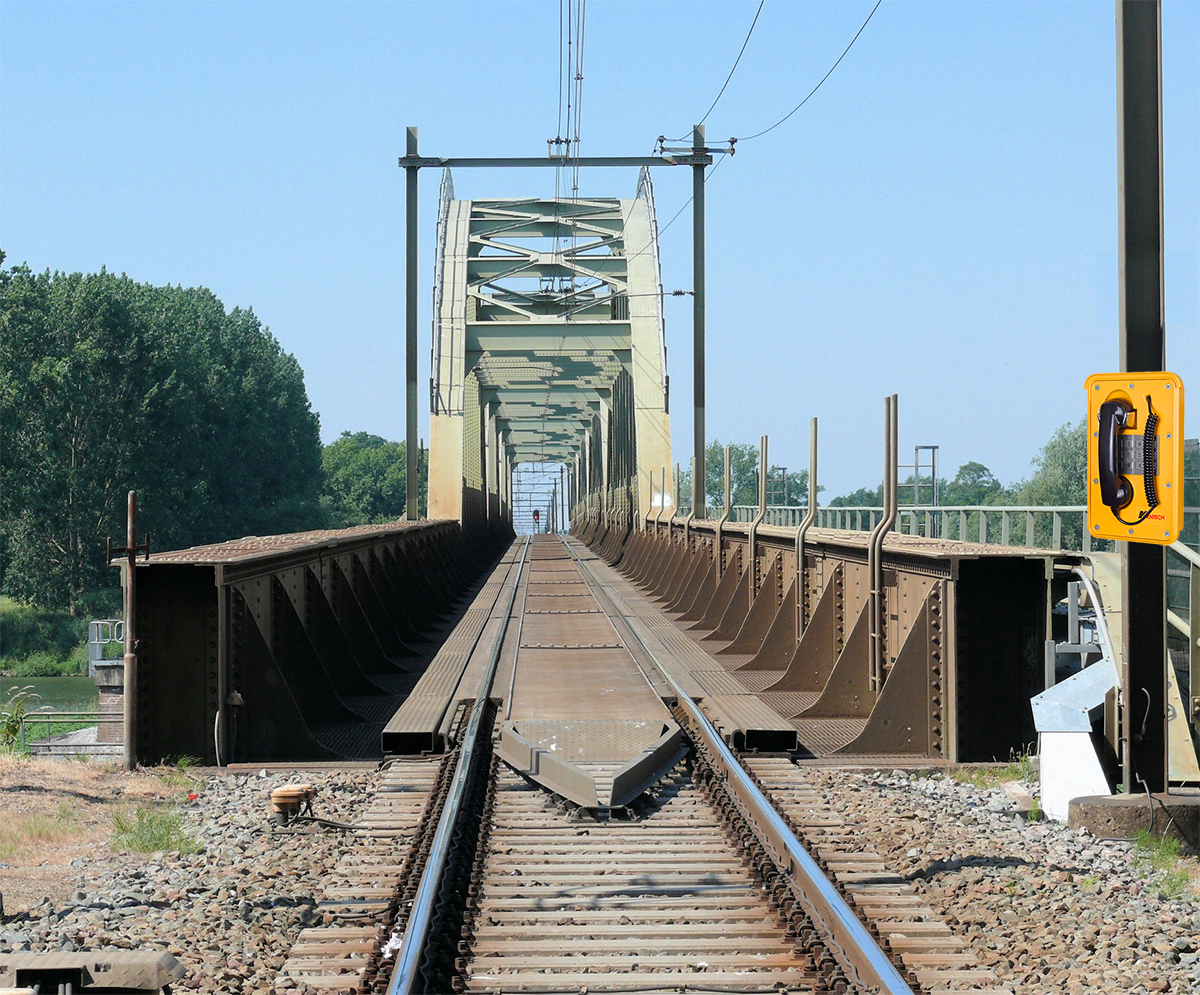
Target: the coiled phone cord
(1148, 466)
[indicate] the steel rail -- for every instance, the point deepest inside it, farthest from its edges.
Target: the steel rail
(871, 965)
(408, 961)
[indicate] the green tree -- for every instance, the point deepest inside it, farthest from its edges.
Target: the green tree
(107, 385)
(366, 480)
(1059, 478)
(743, 473)
(864, 497)
(973, 484)
(1060, 470)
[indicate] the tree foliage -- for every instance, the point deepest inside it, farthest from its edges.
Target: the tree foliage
(973, 484)
(1060, 470)
(108, 385)
(864, 497)
(743, 476)
(366, 480)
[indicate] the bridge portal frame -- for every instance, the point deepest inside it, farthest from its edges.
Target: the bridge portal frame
(698, 156)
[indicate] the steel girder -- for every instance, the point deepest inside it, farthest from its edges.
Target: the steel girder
(548, 315)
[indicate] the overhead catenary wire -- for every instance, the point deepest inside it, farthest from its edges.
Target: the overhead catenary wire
(759, 134)
(741, 52)
(572, 69)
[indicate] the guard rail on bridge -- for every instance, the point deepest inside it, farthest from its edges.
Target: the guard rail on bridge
(1057, 527)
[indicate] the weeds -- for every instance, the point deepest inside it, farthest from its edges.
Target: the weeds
(38, 827)
(1160, 858)
(176, 772)
(11, 714)
(151, 830)
(1020, 767)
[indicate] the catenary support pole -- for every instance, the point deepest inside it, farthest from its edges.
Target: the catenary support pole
(698, 401)
(130, 701)
(1143, 349)
(410, 328)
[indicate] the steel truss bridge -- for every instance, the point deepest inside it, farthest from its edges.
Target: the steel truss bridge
(548, 347)
(659, 674)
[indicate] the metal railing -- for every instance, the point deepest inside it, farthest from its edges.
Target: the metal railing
(1058, 527)
(38, 721)
(1183, 615)
(1055, 527)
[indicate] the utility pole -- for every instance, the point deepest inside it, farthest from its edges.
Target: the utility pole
(1143, 349)
(410, 327)
(129, 699)
(698, 399)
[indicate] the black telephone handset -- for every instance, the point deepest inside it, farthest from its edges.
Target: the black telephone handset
(1115, 490)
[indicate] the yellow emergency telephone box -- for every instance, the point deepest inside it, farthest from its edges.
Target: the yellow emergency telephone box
(1135, 456)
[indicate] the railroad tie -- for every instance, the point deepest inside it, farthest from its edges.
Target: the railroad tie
(358, 892)
(940, 960)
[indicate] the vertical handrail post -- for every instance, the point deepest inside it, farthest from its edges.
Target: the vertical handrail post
(810, 515)
(762, 513)
(719, 559)
(130, 696)
(875, 547)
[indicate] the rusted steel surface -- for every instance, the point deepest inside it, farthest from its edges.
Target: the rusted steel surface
(419, 722)
(687, 878)
(248, 549)
(580, 715)
(293, 647)
(959, 640)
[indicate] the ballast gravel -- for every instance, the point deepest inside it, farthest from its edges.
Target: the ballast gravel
(1049, 909)
(228, 914)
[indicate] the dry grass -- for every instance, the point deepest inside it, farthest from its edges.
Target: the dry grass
(34, 829)
(56, 811)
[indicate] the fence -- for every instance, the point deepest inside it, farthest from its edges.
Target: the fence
(34, 722)
(1040, 526)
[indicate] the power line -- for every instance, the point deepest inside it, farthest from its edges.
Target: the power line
(759, 134)
(735, 61)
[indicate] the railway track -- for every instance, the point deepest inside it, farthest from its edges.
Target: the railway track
(696, 883)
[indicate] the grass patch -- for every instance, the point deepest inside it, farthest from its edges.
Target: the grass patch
(149, 830)
(175, 772)
(1160, 859)
(1020, 767)
(39, 827)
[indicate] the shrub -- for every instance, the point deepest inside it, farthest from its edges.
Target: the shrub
(77, 660)
(18, 700)
(44, 664)
(25, 630)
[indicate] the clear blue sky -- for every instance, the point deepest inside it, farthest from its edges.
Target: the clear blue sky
(939, 220)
